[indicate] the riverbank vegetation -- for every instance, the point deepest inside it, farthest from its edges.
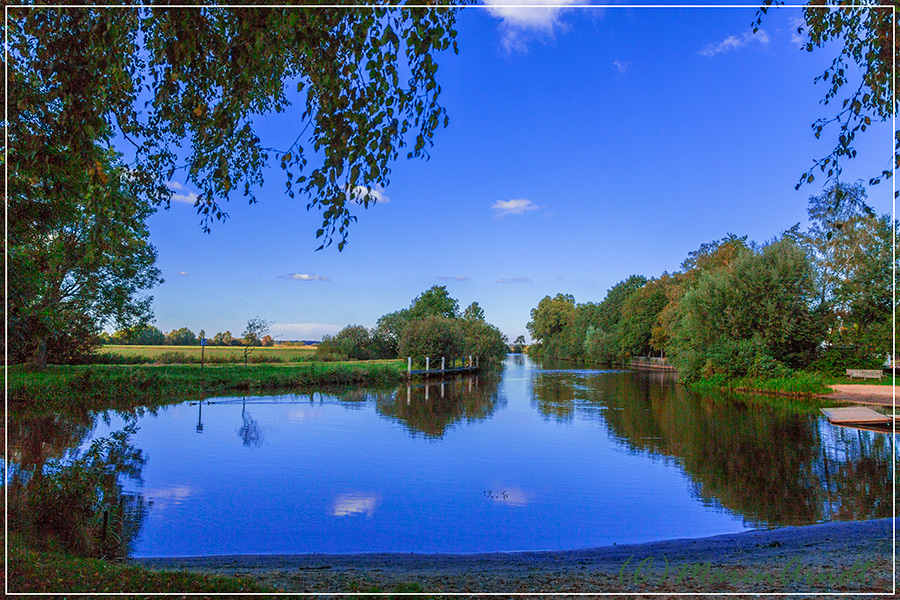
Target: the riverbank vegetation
(742, 314)
(432, 326)
(73, 388)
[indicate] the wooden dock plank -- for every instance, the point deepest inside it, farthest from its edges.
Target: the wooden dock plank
(854, 414)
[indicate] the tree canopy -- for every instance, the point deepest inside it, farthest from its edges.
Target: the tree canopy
(863, 34)
(185, 87)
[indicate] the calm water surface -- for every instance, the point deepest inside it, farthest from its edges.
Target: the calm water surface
(537, 458)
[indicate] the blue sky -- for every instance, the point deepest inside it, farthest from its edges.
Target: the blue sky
(584, 145)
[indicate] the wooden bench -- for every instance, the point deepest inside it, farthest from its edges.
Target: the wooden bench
(865, 373)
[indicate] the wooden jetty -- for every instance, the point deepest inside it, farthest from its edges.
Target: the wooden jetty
(469, 365)
(651, 363)
(860, 417)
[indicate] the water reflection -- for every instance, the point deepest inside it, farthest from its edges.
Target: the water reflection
(541, 457)
(773, 466)
(250, 432)
(75, 498)
(432, 408)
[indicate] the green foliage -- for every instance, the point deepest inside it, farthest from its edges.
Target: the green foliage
(756, 311)
(355, 342)
(79, 255)
(864, 38)
(549, 321)
(519, 344)
(483, 340)
(433, 336)
(367, 78)
(835, 360)
(435, 302)
(181, 337)
(473, 312)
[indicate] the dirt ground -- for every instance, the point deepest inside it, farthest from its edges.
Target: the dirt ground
(880, 395)
(838, 557)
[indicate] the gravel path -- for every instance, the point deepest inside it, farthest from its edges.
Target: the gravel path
(831, 557)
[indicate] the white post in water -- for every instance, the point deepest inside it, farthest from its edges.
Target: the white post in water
(442, 388)
(443, 362)
(408, 394)
(470, 361)
(409, 366)
(426, 392)
(427, 363)
(476, 362)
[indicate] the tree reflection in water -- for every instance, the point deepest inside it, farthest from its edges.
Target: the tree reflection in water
(432, 408)
(60, 495)
(772, 466)
(250, 431)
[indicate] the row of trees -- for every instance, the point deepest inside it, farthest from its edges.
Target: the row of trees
(431, 326)
(255, 334)
(820, 298)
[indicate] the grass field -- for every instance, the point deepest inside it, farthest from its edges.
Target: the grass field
(213, 354)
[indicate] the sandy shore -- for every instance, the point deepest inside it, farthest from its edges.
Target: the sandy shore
(879, 395)
(831, 557)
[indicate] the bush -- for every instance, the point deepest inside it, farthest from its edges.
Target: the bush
(835, 360)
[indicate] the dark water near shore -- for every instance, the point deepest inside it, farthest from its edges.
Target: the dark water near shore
(533, 459)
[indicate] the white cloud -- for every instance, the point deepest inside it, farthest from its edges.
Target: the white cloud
(516, 206)
(454, 277)
(376, 195)
(303, 277)
(514, 280)
(183, 273)
(734, 43)
(181, 194)
(303, 331)
(521, 23)
(798, 37)
(620, 65)
(346, 505)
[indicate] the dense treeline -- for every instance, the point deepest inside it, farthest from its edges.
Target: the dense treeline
(255, 334)
(819, 299)
(432, 326)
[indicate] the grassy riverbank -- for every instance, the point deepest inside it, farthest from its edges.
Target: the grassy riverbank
(798, 385)
(33, 571)
(94, 387)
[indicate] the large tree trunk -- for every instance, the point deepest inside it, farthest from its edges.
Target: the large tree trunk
(39, 358)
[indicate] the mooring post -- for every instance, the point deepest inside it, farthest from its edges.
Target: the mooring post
(443, 362)
(476, 362)
(470, 361)
(408, 366)
(426, 392)
(408, 394)
(442, 388)
(427, 364)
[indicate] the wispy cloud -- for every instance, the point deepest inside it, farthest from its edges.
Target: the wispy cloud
(734, 43)
(514, 280)
(303, 277)
(180, 193)
(454, 277)
(521, 24)
(620, 65)
(303, 331)
(183, 273)
(798, 31)
(516, 206)
(376, 195)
